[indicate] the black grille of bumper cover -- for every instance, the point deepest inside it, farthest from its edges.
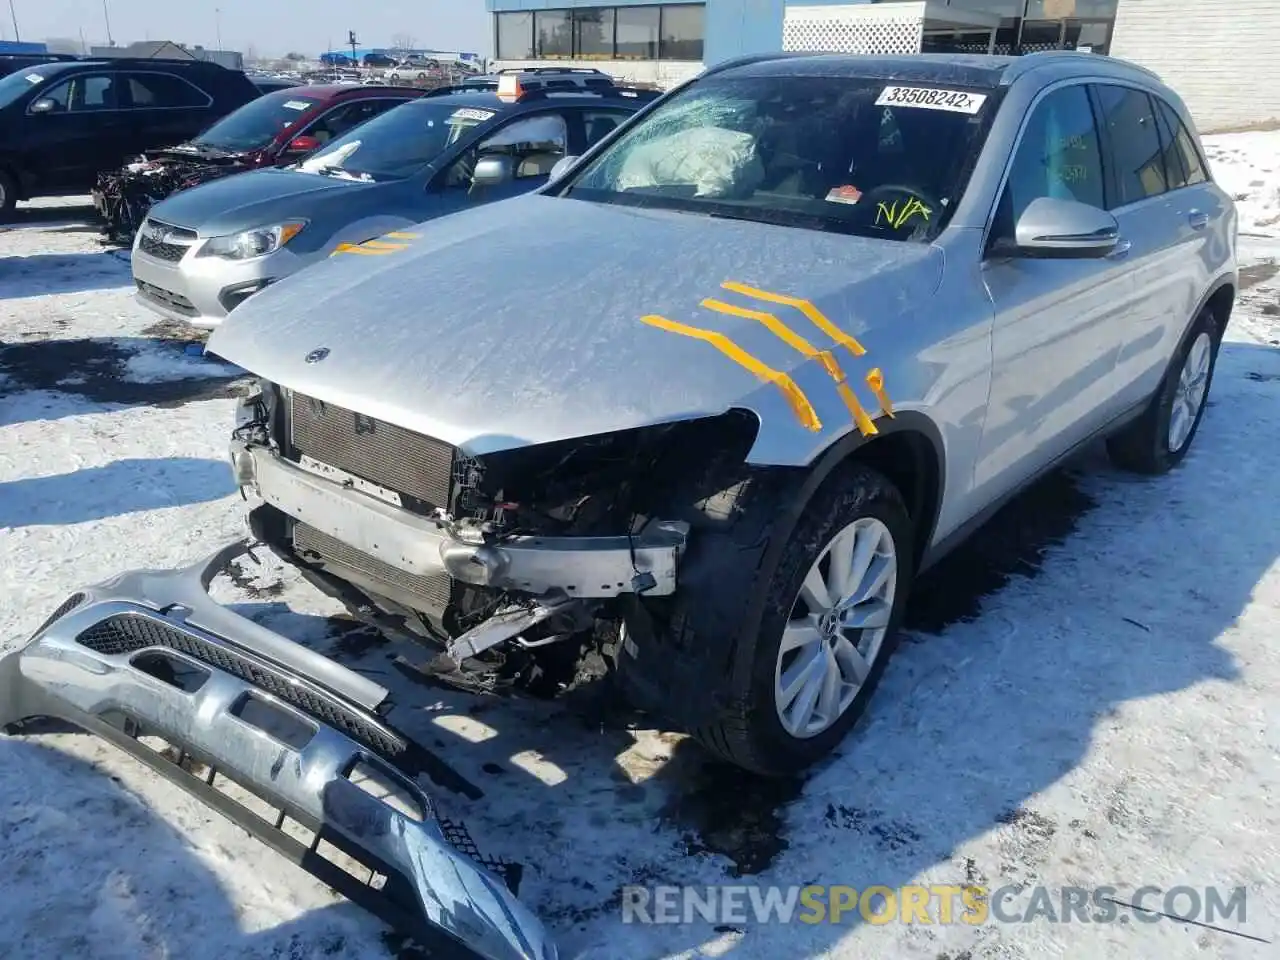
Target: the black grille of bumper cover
(168, 298)
(64, 608)
(436, 590)
(127, 633)
(408, 463)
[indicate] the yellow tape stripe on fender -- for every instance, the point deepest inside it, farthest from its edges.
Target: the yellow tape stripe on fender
(791, 391)
(401, 235)
(875, 380)
(816, 316)
(801, 345)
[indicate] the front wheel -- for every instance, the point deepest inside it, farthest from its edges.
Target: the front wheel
(834, 598)
(8, 195)
(1161, 437)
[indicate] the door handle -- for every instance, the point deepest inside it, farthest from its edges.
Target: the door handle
(1120, 250)
(1198, 220)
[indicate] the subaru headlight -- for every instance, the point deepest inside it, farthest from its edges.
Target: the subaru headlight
(251, 244)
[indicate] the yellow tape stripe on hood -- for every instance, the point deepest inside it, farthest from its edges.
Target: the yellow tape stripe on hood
(791, 391)
(875, 380)
(816, 316)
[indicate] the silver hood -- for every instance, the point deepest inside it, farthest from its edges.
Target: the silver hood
(520, 323)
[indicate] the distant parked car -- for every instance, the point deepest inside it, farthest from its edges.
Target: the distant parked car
(61, 123)
(203, 251)
(275, 129)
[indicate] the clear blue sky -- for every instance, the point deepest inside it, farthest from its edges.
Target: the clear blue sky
(272, 27)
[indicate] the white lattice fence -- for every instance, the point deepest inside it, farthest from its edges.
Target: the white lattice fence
(855, 28)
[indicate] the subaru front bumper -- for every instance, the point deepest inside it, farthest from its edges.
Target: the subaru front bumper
(148, 657)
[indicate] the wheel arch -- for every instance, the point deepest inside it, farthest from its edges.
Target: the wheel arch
(1220, 299)
(908, 449)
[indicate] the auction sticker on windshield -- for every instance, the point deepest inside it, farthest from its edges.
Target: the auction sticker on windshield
(930, 98)
(471, 113)
(296, 105)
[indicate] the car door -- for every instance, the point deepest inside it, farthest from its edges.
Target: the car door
(534, 142)
(1058, 323)
(84, 133)
(596, 123)
(1158, 225)
(163, 109)
(347, 115)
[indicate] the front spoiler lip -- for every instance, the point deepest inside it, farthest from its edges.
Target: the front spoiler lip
(429, 888)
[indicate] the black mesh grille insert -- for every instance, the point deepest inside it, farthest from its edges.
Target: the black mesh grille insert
(380, 452)
(127, 633)
(435, 590)
(64, 608)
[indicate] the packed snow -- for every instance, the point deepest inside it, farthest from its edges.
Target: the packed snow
(1086, 696)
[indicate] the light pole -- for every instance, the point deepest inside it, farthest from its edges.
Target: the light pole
(217, 25)
(106, 16)
(13, 15)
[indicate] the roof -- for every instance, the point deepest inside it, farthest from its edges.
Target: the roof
(489, 99)
(154, 48)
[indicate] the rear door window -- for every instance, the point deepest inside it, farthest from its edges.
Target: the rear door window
(1185, 144)
(156, 91)
(1133, 142)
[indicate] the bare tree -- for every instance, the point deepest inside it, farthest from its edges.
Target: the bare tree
(403, 42)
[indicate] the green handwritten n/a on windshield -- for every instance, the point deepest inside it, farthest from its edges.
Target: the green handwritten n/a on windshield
(901, 212)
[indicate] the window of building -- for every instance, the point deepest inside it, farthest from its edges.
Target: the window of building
(553, 30)
(593, 34)
(638, 32)
(682, 32)
(514, 39)
(1134, 142)
(1058, 157)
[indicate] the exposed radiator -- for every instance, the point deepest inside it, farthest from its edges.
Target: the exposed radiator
(374, 450)
(436, 590)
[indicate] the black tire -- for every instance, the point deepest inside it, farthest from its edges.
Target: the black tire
(1143, 446)
(8, 195)
(749, 733)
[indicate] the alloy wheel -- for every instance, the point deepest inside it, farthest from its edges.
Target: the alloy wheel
(1188, 395)
(837, 628)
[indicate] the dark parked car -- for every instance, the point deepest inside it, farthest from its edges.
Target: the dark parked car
(12, 62)
(272, 84)
(276, 129)
(63, 122)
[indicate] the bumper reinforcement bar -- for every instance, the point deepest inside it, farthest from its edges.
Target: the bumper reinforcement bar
(289, 745)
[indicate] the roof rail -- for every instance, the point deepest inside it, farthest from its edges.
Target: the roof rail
(749, 59)
(538, 70)
(1030, 61)
(624, 93)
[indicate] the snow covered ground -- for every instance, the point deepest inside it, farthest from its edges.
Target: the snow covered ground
(1087, 694)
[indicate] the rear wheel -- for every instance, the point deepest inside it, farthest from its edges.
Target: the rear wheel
(1161, 437)
(8, 194)
(833, 601)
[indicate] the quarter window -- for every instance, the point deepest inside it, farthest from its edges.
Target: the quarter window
(1175, 173)
(1134, 142)
(1058, 157)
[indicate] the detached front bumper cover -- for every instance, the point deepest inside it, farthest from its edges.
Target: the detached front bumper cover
(149, 655)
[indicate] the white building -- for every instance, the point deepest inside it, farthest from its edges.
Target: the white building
(1220, 56)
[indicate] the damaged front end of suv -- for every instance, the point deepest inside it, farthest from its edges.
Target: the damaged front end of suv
(515, 568)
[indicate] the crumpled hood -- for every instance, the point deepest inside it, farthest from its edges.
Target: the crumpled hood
(253, 199)
(520, 322)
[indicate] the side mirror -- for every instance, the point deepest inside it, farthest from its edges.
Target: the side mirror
(492, 171)
(44, 105)
(303, 144)
(1052, 229)
(562, 167)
